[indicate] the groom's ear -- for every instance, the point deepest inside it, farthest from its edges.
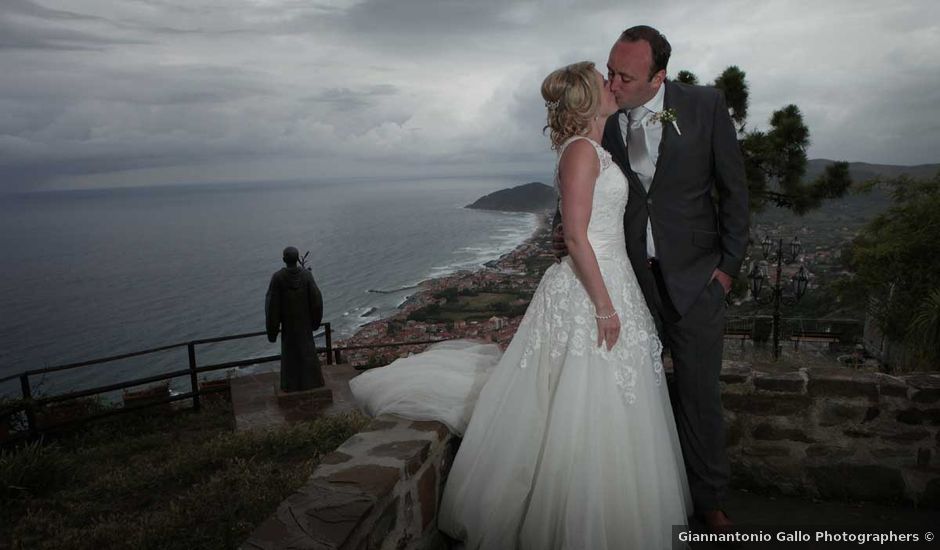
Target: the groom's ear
(659, 77)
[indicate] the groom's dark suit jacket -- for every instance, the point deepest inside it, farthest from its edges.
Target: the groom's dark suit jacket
(694, 233)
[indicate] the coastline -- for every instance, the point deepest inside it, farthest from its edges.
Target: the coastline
(485, 303)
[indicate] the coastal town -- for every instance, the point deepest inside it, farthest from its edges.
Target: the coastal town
(486, 304)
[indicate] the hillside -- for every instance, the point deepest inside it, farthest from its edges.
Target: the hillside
(850, 212)
(531, 197)
(863, 171)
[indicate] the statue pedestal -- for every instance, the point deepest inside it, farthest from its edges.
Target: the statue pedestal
(259, 404)
(316, 398)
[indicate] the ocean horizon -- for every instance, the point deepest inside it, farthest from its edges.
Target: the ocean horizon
(99, 272)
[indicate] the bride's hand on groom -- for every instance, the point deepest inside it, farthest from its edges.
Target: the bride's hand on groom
(608, 330)
(559, 249)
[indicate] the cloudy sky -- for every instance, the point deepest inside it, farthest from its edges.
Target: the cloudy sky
(130, 92)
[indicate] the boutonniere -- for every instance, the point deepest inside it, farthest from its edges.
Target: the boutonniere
(666, 116)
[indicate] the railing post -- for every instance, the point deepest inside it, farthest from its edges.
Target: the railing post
(191, 348)
(328, 333)
(28, 402)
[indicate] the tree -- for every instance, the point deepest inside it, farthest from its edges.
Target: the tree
(733, 84)
(895, 261)
(775, 160)
(687, 77)
(924, 336)
(449, 294)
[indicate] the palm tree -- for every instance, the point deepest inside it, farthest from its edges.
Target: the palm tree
(924, 333)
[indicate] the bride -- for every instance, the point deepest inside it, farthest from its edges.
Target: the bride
(568, 440)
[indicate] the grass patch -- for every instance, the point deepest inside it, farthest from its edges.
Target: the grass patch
(485, 300)
(476, 307)
(535, 266)
(179, 480)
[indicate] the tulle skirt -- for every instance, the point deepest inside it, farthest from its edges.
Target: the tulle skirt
(559, 451)
(442, 383)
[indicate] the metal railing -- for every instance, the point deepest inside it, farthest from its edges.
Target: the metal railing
(758, 329)
(744, 328)
(31, 405)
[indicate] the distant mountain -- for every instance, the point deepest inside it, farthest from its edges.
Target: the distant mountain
(863, 171)
(531, 197)
(846, 214)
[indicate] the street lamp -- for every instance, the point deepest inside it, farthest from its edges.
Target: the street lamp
(800, 282)
(795, 248)
(765, 245)
(777, 294)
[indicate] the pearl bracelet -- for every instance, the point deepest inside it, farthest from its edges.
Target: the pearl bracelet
(605, 317)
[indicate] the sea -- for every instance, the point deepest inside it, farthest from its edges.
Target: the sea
(101, 272)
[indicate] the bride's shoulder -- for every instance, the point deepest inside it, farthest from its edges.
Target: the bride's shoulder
(579, 155)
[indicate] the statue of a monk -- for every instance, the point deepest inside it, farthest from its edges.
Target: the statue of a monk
(294, 306)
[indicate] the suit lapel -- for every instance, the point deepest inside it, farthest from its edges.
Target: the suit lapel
(613, 140)
(619, 152)
(669, 143)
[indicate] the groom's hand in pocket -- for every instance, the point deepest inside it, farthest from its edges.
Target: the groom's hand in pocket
(724, 279)
(559, 249)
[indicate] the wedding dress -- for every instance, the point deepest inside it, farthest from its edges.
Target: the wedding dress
(566, 445)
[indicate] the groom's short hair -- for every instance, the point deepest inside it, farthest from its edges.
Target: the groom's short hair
(658, 44)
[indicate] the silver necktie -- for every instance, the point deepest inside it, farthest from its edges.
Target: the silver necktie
(637, 148)
(641, 163)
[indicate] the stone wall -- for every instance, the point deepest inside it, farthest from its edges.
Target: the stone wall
(819, 432)
(378, 490)
(834, 433)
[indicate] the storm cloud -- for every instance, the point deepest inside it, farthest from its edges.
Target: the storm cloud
(132, 92)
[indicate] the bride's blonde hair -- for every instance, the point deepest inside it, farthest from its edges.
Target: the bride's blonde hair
(572, 98)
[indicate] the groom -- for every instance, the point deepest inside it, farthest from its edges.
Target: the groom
(686, 225)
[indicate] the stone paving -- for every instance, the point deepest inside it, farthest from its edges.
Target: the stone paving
(258, 404)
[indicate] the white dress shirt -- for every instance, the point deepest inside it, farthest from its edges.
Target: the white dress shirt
(654, 135)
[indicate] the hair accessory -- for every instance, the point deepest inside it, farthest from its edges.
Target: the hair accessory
(552, 104)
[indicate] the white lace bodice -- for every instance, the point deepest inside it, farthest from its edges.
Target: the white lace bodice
(560, 317)
(605, 230)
